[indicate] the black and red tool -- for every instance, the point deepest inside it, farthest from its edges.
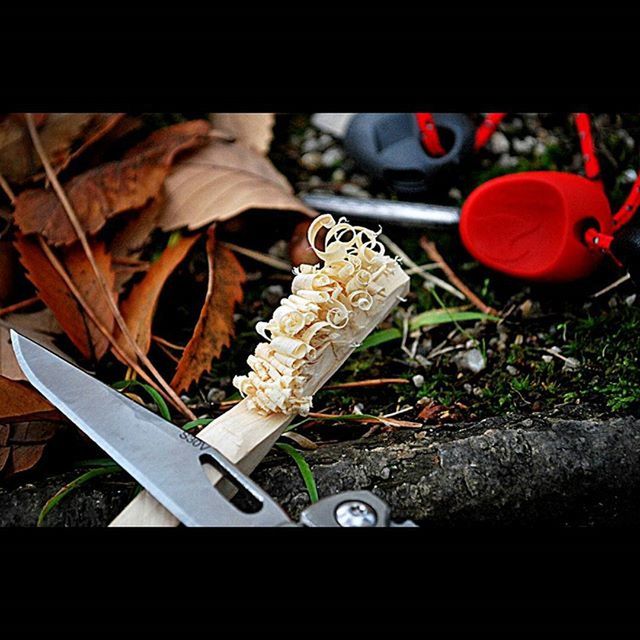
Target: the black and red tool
(413, 152)
(547, 226)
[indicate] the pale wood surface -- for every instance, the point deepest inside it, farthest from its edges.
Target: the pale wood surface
(245, 437)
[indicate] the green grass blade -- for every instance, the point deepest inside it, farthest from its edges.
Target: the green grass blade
(93, 463)
(74, 484)
(196, 423)
(305, 470)
(159, 400)
(379, 337)
(163, 409)
(431, 317)
(442, 316)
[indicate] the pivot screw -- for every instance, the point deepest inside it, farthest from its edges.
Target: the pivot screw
(355, 513)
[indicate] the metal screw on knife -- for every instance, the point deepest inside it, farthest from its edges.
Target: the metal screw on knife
(390, 212)
(356, 513)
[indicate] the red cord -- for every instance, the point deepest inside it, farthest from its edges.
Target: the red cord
(591, 164)
(429, 132)
(487, 129)
(597, 240)
(629, 208)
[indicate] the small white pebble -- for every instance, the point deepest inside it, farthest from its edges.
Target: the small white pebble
(571, 364)
(506, 161)
(525, 145)
(311, 160)
(324, 142)
(215, 395)
(547, 358)
(338, 175)
(331, 157)
(311, 144)
(499, 143)
(471, 360)
(418, 380)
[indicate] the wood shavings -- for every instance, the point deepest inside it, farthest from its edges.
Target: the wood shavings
(324, 302)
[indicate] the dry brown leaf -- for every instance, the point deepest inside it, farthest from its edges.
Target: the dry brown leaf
(300, 251)
(127, 244)
(222, 180)
(64, 137)
(215, 326)
(252, 129)
(41, 326)
(58, 297)
(22, 445)
(109, 189)
(139, 308)
(20, 402)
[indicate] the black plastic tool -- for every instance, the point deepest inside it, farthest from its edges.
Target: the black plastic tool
(389, 147)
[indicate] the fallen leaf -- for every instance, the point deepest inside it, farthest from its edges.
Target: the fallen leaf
(215, 326)
(222, 180)
(109, 189)
(20, 402)
(127, 243)
(22, 445)
(58, 297)
(23, 458)
(253, 129)
(300, 251)
(41, 326)
(63, 135)
(164, 144)
(430, 411)
(139, 308)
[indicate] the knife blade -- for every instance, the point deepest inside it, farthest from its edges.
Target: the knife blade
(167, 461)
(389, 212)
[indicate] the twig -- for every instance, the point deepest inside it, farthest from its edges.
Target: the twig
(265, 258)
(377, 382)
(73, 219)
(429, 277)
(18, 306)
(434, 254)
(92, 316)
(166, 343)
(7, 189)
(366, 419)
(611, 286)
(168, 353)
(227, 404)
(131, 262)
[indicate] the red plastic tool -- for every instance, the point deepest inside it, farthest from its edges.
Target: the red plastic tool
(548, 226)
(532, 225)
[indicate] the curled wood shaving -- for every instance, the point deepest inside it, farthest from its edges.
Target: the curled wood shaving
(324, 302)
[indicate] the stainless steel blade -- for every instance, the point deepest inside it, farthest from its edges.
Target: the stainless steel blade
(414, 215)
(163, 458)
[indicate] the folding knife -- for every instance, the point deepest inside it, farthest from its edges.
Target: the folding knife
(169, 462)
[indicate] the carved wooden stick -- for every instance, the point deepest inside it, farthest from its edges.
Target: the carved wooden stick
(245, 437)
